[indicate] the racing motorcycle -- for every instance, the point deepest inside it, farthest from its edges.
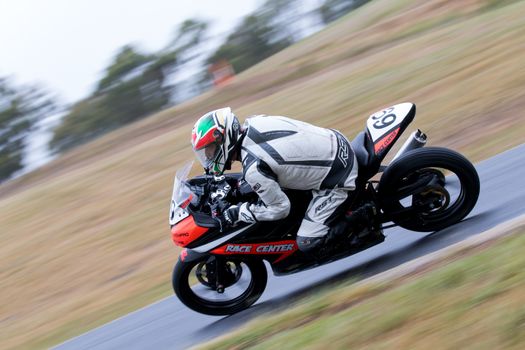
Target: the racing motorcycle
(422, 189)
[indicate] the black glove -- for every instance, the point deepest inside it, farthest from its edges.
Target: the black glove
(229, 217)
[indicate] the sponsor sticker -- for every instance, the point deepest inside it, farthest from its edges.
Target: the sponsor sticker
(282, 248)
(323, 204)
(343, 150)
(259, 248)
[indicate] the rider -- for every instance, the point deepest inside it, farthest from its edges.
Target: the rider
(279, 152)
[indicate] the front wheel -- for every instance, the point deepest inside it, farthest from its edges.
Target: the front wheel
(218, 285)
(429, 189)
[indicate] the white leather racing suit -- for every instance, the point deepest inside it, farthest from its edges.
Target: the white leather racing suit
(279, 152)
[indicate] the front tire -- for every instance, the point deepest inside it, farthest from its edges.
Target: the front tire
(198, 290)
(432, 162)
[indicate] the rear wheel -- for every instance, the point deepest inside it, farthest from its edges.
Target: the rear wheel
(429, 189)
(219, 286)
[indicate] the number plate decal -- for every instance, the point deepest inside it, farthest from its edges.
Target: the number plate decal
(381, 123)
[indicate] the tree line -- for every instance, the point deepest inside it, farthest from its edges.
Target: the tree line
(137, 83)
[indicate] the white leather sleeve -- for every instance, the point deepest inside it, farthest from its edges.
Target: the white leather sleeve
(275, 204)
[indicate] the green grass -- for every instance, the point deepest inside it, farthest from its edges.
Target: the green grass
(474, 301)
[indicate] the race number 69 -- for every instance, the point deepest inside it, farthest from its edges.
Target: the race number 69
(385, 119)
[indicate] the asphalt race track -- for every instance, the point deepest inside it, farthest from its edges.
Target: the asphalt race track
(167, 324)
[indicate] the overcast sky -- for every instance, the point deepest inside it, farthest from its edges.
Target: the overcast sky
(66, 44)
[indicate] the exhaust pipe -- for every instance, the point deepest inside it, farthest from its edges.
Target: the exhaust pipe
(416, 140)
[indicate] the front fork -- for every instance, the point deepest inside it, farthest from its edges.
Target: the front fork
(220, 272)
(223, 273)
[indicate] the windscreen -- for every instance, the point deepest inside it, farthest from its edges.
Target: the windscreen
(181, 196)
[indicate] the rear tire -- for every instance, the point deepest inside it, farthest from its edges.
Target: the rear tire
(184, 289)
(427, 160)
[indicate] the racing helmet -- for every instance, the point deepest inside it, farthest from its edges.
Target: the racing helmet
(214, 138)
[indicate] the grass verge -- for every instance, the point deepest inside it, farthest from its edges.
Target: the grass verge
(471, 299)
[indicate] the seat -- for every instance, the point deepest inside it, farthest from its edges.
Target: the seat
(359, 147)
(364, 152)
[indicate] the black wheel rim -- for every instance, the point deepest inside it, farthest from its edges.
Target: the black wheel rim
(452, 190)
(238, 288)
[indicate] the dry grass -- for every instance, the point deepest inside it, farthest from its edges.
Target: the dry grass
(85, 238)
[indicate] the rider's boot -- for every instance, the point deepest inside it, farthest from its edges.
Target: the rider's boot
(314, 247)
(351, 230)
(362, 216)
(363, 223)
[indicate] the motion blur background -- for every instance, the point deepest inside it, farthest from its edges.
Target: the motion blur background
(97, 100)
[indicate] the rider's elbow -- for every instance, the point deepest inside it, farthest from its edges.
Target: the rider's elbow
(283, 212)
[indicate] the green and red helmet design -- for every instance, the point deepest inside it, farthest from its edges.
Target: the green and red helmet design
(208, 129)
(213, 138)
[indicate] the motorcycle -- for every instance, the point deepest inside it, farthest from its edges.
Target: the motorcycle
(422, 189)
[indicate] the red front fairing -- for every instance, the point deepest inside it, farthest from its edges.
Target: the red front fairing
(186, 231)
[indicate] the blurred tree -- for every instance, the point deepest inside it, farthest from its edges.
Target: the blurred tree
(132, 88)
(126, 60)
(20, 109)
(331, 10)
(283, 18)
(135, 85)
(273, 26)
(253, 40)
(188, 36)
(187, 45)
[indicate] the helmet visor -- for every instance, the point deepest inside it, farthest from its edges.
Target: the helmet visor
(208, 155)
